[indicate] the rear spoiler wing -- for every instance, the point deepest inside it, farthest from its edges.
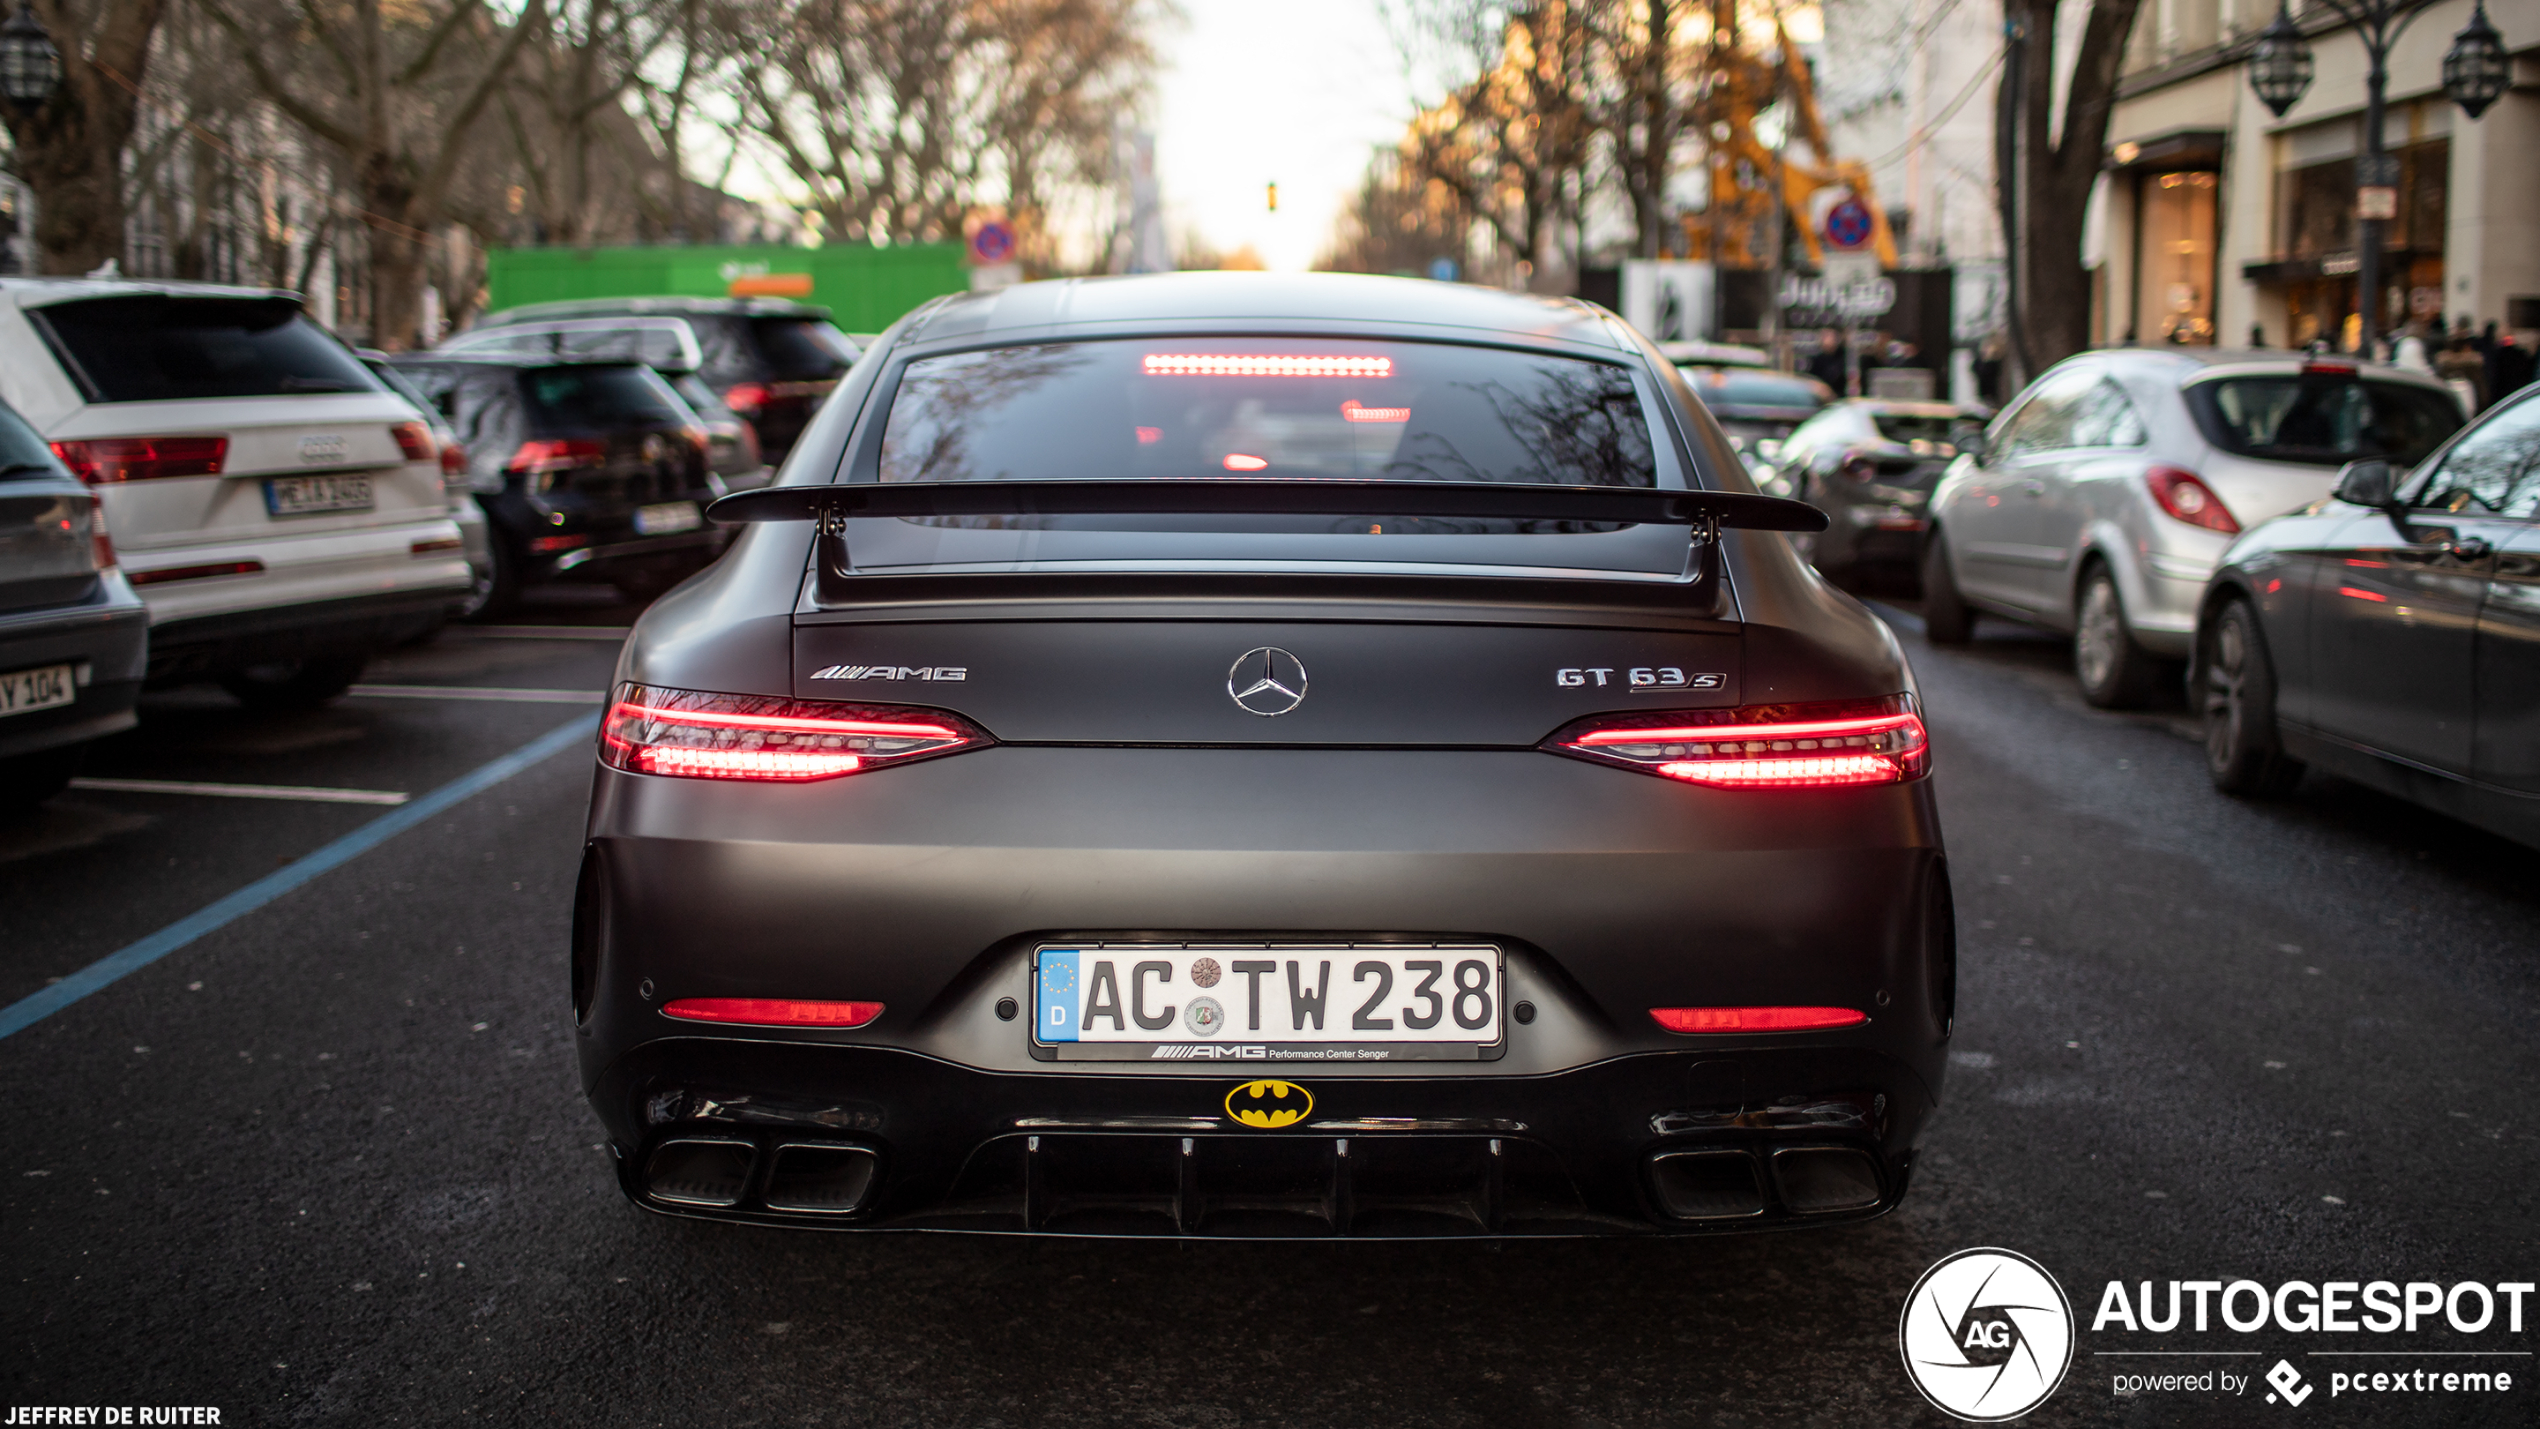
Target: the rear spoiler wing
(830, 505)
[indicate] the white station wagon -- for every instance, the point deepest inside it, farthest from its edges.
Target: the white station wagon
(280, 511)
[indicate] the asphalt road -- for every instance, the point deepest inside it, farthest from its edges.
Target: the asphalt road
(329, 1163)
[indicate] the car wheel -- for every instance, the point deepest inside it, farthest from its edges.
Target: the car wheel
(2243, 753)
(2114, 672)
(294, 684)
(495, 588)
(30, 779)
(1947, 620)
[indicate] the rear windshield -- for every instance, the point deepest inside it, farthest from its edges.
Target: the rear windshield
(1198, 408)
(1747, 391)
(2323, 419)
(22, 452)
(802, 349)
(148, 348)
(603, 397)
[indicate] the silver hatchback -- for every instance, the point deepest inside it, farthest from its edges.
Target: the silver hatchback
(2100, 499)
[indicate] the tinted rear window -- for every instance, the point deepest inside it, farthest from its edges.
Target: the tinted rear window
(802, 349)
(1747, 390)
(1202, 408)
(148, 348)
(603, 396)
(22, 452)
(2322, 419)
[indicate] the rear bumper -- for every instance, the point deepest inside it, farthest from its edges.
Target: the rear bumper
(109, 634)
(211, 644)
(926, 888)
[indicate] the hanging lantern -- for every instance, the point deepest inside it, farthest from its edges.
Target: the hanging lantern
(2477, 71)
(2280, 64)
(30, 68)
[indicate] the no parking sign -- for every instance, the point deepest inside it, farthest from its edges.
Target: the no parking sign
(1849, 224)
(992, 243)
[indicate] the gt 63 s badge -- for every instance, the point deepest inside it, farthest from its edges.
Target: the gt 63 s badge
(1269, 1103)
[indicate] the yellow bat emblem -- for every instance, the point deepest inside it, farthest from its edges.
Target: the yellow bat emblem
(1269, 1104)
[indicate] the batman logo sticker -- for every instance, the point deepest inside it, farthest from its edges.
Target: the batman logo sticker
(1269, 1103)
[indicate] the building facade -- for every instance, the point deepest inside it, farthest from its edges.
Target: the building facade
(2219, 223)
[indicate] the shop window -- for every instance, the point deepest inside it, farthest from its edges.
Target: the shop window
(2174, 259)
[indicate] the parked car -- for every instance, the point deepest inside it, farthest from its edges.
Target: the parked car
(771, 360)
(74, 637)
(281, 511)
(1870, 465)
(1755, 405)
(463, 508)
(2391, 635)
(586, 470)
(2100, 499)
(667, 345)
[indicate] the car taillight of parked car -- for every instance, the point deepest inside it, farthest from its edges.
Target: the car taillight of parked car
(544, 458)
(453, 464)
(746, 398)
(2186, 497)
(1794, 746)
(693, 735)
(414, 440)
(106, 461)
(101, 547)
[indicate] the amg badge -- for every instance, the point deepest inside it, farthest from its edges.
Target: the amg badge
(890, 672)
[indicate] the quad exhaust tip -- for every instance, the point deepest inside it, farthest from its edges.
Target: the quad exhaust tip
(802, 1178)
(1722, 1184)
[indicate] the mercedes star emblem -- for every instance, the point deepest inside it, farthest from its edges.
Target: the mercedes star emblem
(1267, 681)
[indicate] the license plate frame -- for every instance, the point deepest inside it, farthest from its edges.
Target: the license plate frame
(39, 687)
(668, 518)
(1347, 994)
(320, 494)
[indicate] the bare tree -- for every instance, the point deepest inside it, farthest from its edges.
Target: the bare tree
(565, 107)
(1643, 101)
(2046, 174)
(1402, 221)
(395, 91)
(71, 152)
(1513, 143)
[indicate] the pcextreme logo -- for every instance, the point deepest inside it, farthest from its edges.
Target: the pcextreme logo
(1986, 1335)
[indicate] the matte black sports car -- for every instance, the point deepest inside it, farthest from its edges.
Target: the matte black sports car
(1251, 756)
(2391, 634)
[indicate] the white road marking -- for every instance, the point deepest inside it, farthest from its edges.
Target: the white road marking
(479, 692)
(303, 793)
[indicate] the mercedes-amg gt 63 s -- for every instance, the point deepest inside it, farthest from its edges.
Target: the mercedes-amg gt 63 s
(1258, 756)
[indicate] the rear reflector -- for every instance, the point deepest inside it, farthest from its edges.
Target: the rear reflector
(2186, 497)
(434, 548)
(104, 461)
(1755, 1019)
(414, 440)
(691, 735)
(773, 1011)
(1761, 746)
(196, 573)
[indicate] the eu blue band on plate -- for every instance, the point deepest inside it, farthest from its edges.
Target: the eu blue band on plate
(1057, 996)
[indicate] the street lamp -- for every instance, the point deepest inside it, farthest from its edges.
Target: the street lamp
(2475, 73)
(30, 67)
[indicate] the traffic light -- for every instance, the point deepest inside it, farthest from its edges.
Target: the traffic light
(1274, 195)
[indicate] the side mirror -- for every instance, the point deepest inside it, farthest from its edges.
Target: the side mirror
(2370, 482)
(1971, 443)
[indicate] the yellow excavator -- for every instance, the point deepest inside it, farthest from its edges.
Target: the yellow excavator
(1736, 231)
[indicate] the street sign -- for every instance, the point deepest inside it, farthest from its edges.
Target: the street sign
(992, 243)
(1849, 224)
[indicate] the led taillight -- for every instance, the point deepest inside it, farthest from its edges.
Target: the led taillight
(772, 1011)
(692, 735)
(453, 461)
(541, 458)
(746, 398)
(103, 461)
(1212, 364)
(1761, 746)
(101, 547)
(2186, 497)
(1756, 1019)
(414, 440)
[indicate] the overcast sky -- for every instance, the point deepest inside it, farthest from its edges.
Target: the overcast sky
(1252, 91)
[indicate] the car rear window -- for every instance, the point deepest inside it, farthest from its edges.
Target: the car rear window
(802, 349)
(1935, 430)
(602, 396)
(1736, 391)
(149, 348)
(22, 452)
(2323, 419)
(1198, 408)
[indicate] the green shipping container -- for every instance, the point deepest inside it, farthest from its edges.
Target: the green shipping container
(865, 288)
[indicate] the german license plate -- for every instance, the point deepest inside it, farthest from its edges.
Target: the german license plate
(667, 517)
(42, 688)
(1334, 1002)
(308, 495)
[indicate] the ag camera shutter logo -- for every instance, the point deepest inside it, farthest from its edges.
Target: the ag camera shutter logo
(1986, 1335)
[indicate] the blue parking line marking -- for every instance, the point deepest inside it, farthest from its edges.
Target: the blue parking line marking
(35, 1007)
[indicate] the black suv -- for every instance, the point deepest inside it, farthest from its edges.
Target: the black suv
(585, 469)
(772, 360)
